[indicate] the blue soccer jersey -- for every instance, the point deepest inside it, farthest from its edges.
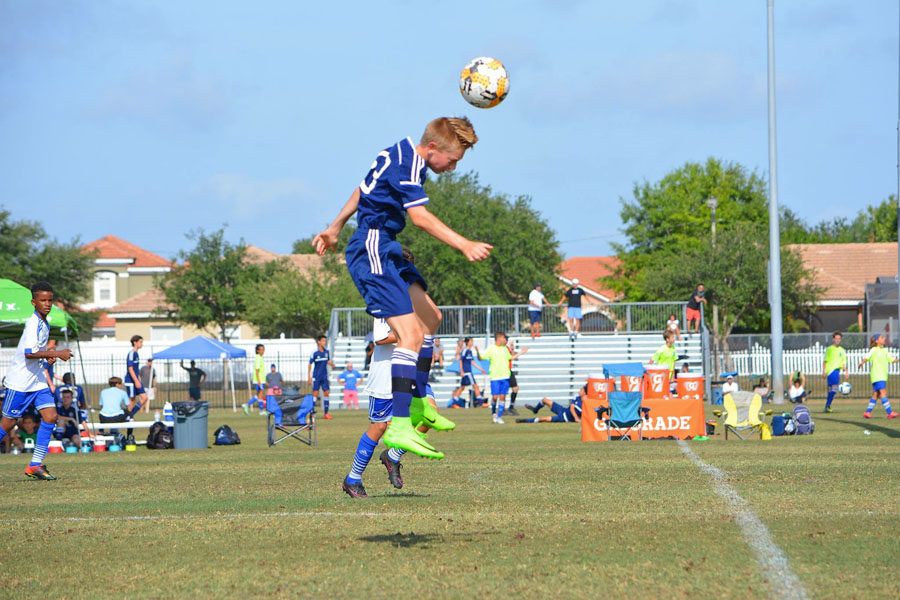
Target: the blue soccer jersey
(576, 403)
(132, 362)
(320, 360)
(465, 360)
(392, 186)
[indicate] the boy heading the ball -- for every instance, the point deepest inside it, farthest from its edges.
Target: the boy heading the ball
(390, 285)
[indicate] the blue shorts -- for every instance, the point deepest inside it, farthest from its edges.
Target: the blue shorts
(573, 312)
(499, 387)
(834, 378)
(467, 379)
(559, 411)
(878, 385)
(380, 272)
(380, 409)
(16, 403)
(321, 384)
(259, 386)
(134, 389)
(534, 316)
(194, 393)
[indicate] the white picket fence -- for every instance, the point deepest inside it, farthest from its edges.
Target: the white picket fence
(808, 360)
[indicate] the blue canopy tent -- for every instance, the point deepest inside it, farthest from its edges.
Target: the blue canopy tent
(205, 348)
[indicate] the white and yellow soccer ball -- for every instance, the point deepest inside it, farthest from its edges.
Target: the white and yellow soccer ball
(484, 82)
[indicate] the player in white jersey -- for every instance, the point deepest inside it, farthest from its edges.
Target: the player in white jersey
(25, 381)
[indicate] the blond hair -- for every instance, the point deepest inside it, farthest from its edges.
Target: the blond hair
(450, 133)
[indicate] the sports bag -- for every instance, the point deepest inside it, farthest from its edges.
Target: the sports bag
(226, 436)
(803, 423)
(159, 437)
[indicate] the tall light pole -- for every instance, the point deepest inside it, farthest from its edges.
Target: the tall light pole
(774, 234)
(713, 203)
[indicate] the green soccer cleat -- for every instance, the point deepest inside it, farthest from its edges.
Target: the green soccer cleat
(246, 410)
(401, 434)
(423, 413)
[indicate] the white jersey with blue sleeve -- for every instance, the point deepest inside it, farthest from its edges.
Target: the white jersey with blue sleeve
(393, 185)
(27, 374)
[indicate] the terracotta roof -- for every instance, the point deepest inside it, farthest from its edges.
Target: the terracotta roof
(148, 301)
(588, 269)
(845, 269)
(302, 262)
(109, 246)
(104, 321)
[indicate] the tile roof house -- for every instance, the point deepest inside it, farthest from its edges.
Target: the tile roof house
(843, 270)
(588, 270)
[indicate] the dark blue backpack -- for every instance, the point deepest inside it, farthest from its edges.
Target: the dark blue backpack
(226, 436)
(803, 423)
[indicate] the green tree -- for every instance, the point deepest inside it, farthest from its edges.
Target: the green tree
(525, 247)
(28, 255)
(877, 223)
(206, 287)
(298, 304)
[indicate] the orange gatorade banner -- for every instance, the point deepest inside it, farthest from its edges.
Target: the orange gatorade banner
(677, 418)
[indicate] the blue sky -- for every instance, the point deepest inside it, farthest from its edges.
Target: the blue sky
(149, 119)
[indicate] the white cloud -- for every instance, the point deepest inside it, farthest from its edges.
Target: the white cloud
(241, 197)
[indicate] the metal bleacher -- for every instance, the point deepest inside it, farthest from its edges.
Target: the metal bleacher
(554, 366)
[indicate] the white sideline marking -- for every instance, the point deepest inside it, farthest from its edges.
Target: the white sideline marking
(783, 583)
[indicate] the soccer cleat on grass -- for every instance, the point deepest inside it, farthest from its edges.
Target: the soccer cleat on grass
(828, 409)
(867, 415)
(246, 410)
(422, 413)
(401, 434)
(499, 421)
(354, 490)
(327, 416)
(494, 419)
(39, 472)
(534, 407)
(893, 415)
(512, 411)
(393, 470)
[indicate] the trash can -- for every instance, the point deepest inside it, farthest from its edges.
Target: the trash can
(191, 425)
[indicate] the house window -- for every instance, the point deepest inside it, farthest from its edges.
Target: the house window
(233, 332)
(104, 289)
(166, 333)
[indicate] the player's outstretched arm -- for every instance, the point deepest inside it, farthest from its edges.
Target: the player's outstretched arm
(328, 238)
(425, 220)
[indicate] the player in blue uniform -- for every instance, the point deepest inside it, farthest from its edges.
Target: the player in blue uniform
(466, 357)
(390, 285)
(317, 373)
(25, 381)
(136, 393)
(561, 414)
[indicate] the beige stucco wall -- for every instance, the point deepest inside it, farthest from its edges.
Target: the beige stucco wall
(126, 328)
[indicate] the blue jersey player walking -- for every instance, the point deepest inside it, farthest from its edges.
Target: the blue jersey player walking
(317, 373)
(390, 285)
(25, 381)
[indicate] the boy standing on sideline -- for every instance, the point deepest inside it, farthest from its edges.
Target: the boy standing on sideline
(536, 301)
(573, 312)
(196, 377)
(835, 363)
(666, 355)
(259, 382)
(148, 381)
(321, 358)
(136, 393)
(879, 359)
(466, 358)
(391, 286)
(500, 358)
(25, 381)
(349, 378)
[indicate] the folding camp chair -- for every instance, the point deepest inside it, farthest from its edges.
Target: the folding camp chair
(742, 414)
(298, 420)
(623, 412)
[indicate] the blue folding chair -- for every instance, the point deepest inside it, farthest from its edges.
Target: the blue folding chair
(298, 420)
(623, 413)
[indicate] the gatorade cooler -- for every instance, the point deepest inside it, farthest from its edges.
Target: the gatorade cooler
(100, 446)
(656, 382)
(629, 384)
(690, 386)
(599, 386)
(55, 447)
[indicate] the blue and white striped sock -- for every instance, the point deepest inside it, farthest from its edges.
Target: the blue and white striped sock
(395, 454)
(872, 402)
(403, 379)
(364, 452)
(41, 443)
(886, 404)
(500, 406)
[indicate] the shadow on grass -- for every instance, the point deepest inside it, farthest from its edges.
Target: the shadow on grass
(400, 495)
(404, 540)
(866, 425)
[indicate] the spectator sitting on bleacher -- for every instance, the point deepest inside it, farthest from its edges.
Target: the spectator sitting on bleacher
(26, 429)
(67, 423)
(762, 388)
(730, 385)
(797, 393)
(561, 414)
(113, 402)
(78, 398)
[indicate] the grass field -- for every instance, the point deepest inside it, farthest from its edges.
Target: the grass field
(524, 510)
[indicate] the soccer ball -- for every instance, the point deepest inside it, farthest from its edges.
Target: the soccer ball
(484, 82)
(845, 388)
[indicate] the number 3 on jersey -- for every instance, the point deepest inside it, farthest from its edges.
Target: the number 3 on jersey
(375, 172)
